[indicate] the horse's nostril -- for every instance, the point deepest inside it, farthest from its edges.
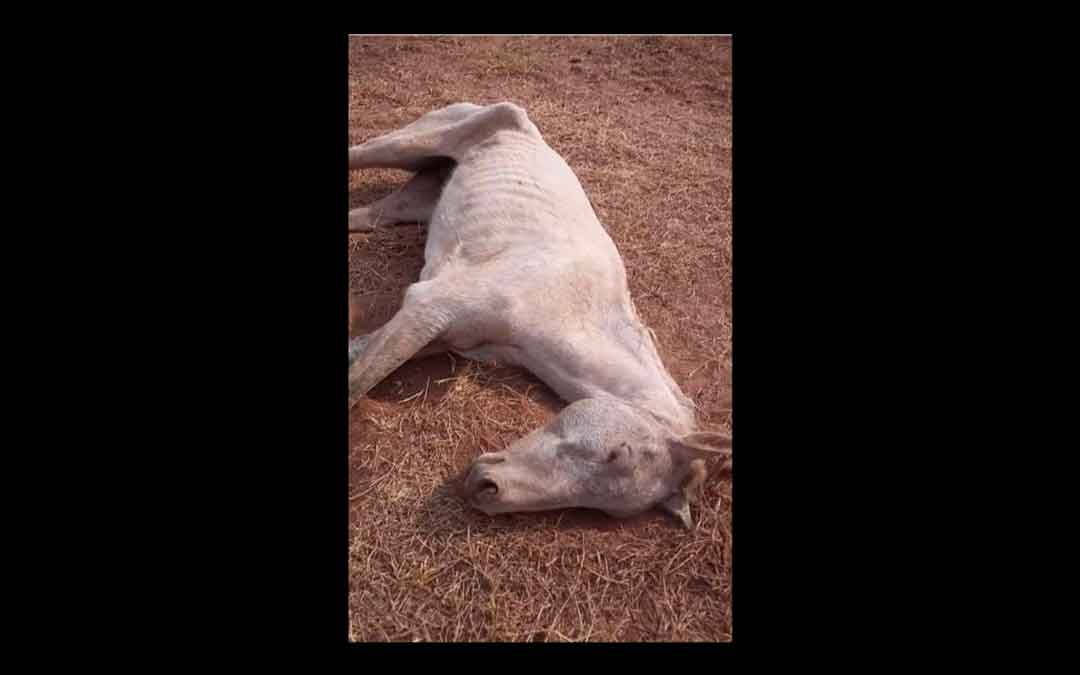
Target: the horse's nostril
(486, 487)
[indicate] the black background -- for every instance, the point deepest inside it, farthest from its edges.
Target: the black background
(202, 309)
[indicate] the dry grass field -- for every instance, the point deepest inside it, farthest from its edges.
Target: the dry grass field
(645, 122)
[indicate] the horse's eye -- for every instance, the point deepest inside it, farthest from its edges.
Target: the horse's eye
(614, 454)
(565, 448)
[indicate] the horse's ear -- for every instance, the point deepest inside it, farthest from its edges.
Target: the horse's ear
(702, 445)
(678, 504)
(694, 449)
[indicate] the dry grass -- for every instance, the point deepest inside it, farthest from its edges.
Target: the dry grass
(646, 125)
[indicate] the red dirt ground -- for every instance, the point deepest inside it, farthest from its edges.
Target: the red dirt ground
(646, 125)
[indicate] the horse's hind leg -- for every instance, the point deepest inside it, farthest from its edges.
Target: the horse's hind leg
(445, 133)
(411, 203)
